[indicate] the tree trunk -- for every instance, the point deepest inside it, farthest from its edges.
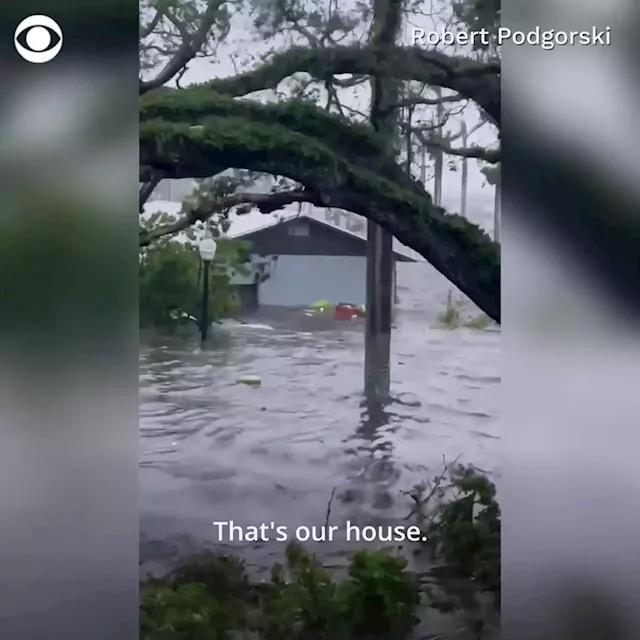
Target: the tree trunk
(496, 213)
(385, 91)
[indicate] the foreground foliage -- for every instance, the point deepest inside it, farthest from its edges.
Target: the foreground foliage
(460, 516)
(170, 283)
(212, 597)
(455, 315)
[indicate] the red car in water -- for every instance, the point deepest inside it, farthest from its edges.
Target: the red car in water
(345, 311)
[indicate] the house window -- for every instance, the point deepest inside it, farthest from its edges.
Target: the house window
(300, 229)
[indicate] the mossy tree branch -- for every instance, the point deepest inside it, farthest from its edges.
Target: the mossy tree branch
(357, 142)
(460, 250)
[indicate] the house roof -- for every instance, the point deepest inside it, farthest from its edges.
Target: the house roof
(289, 219)
(246, 224)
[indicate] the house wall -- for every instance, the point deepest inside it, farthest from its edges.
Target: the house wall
(299, 281)
(314, 261)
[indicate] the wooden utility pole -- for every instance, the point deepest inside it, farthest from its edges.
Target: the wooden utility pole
(423, 166)
(385, 92)
(439, 155)
(465, 173)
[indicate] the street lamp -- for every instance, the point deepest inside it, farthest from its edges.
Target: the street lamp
(207, 249)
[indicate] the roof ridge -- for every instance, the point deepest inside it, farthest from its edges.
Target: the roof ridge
(325, 223)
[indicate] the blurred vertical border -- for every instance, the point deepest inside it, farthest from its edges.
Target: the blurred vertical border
(570, 489)
(68, 326)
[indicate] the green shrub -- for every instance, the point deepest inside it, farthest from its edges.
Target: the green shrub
(380, 596)
(461, 519)
(210, 597)
(170, 283)
(170, 612)
(453, 316)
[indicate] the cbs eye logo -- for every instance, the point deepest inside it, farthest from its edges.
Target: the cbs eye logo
(38, 39)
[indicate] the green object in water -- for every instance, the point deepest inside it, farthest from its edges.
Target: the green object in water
(321, 304)
(252, 381)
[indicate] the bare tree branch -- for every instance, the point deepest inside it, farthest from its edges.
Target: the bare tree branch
(146, 31)
(349, 83)
(265, 202)
(190, 47)
(476, 81)
(492, 156)
(417, 101)
(147, 188)
(455, 136)
(436, 125)
(422, 134)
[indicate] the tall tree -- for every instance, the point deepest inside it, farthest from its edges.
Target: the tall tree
(328, 159)
(385, 95)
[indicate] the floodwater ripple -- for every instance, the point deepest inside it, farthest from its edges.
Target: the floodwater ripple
(212, 449)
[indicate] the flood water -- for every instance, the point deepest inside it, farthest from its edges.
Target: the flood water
(214, 450)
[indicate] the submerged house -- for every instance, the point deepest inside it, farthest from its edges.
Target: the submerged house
(298, 259)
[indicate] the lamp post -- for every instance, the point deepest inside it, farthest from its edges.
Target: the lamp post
(207, 249)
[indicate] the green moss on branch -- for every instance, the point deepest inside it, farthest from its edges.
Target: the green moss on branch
(196, 105)
(357, 142)
(457, 248)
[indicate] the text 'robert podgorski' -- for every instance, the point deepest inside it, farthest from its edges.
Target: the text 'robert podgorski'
(545, 39)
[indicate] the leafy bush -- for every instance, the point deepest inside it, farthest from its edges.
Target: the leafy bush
(211, 597)
(380, 595)
(187, 611)
(461, 519)
(453, 316)
(170, 286)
